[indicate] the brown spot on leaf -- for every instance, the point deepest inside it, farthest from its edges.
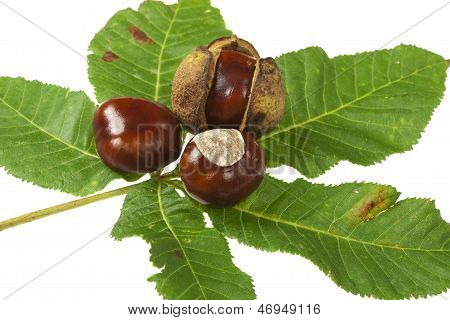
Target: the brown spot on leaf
(178, 254)
(109, 56)
(366, 210)
(140, 36)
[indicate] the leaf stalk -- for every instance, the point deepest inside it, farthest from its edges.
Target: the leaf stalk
(39, 214)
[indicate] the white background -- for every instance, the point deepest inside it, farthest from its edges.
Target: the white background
(104, 277)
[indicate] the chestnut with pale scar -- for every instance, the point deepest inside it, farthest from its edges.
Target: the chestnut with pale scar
(221, 167)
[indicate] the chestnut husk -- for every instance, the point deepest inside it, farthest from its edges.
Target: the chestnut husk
(194, 77)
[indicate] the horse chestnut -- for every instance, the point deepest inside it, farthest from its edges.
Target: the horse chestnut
(221, 167)
(227, 85)
(136, 135)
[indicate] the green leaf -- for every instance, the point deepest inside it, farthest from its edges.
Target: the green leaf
(355, 233)
(143, 48)
(46, 137)
(360, 107)
(195, 260)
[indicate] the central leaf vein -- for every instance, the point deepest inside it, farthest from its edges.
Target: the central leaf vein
(163, 215)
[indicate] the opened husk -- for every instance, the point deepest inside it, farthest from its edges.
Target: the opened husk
(193, 79)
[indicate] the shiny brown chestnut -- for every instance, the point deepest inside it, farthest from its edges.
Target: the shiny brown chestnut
(228, 96)
(221, 167)
(227, 85)
(135, 135)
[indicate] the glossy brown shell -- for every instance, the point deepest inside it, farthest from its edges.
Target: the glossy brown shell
(194, 77)
(135, 135)
(217, 186)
